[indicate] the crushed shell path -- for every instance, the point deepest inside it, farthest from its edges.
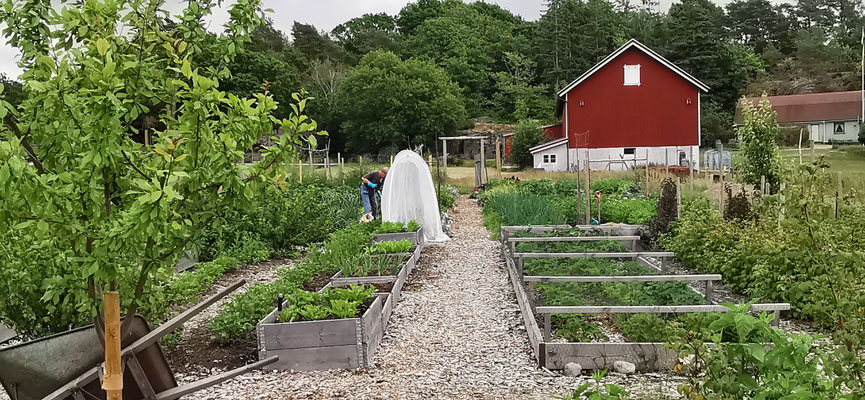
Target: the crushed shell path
(456, 333)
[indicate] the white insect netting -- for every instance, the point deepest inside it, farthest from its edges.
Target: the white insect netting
(409, 194)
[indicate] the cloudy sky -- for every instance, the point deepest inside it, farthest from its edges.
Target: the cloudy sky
(324, 14)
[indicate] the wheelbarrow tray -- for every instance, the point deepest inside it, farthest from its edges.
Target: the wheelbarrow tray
(35, 369)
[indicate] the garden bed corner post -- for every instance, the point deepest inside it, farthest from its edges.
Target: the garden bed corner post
(112, 381)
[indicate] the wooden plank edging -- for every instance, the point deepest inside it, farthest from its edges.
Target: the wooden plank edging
(625, 278)
(702, 308)
(632, 255)
(573, 238)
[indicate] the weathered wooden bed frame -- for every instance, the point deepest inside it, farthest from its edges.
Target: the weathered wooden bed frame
(555, 355)
(329, 344)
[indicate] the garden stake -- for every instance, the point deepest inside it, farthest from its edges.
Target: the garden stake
(781, 211)
(588, 195)
(112, 381)
(838, 194)
(647, 172)
(678, 197)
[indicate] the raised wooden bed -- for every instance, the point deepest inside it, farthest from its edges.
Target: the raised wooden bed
(415, 237)
(397, 280)
(591, 356)
(332, 344)
(326, 344)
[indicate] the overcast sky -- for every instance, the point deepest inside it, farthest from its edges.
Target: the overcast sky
(324, 14)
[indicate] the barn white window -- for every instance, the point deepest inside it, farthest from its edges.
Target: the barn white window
(632, 75)
(839, 128)
(549, 158)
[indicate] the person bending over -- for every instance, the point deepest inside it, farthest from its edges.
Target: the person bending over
(370, 183)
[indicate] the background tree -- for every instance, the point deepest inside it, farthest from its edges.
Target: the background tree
(13, 91)
(115, 211)
(390, 102)
(359, 36)
(757, 142)
(527, 134)
(516, 96)
(573, 35)
(314, 45)
(484, 36)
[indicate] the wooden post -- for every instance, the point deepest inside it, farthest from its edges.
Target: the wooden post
(691, 171)
(762, 184)
(391, 159)
(838, 195)
(709, 292)
(678, 197)
(588, 195)
(429, 162)
(445, 157)
(813, 156)
(483, 164)
(112, 381)
(498, 159)
(300, 170)
(146, 137)
(800, 144)
(327, 165)
(341, 167)
(647, 172)
(666, 163)
(548, 327)
(723, 191)
(311, 167)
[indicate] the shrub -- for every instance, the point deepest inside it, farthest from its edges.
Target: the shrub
(527, 134)
(281, 219)
(447, 199)
(612, 185)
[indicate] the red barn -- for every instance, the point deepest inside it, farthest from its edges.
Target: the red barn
(631, 108)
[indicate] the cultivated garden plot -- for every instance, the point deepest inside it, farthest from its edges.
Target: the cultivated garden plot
(590, 296)
(340, 327)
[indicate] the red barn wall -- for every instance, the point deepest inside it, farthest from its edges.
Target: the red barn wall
(554, 132)
(508, 145)
(656, 113)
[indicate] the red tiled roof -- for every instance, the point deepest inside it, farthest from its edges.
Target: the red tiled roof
(837, 106)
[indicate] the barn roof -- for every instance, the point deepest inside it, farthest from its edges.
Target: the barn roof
(633, 43)
(836, 106)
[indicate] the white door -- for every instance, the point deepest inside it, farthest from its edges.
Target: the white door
(815, 133)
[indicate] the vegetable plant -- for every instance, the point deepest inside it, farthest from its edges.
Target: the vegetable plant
(400, 246)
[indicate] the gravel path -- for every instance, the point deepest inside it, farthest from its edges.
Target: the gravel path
(455, 334)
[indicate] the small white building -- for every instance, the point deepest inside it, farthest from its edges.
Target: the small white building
(824, 117)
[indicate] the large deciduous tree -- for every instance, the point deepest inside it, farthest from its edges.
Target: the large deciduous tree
(390, 102)
(469, 42)
(74, 182)
(361, 35)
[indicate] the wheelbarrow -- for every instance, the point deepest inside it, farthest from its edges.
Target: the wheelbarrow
(68, 366)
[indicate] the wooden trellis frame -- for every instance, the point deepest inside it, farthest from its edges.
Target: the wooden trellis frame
(555, 355)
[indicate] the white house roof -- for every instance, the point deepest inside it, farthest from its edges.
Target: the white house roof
(651, 53)
(548, 145)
